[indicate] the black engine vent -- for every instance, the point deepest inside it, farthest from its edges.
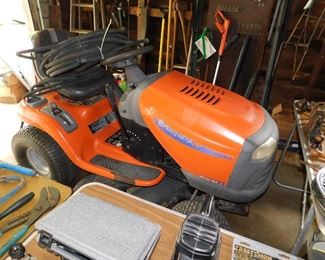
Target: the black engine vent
(203, 92)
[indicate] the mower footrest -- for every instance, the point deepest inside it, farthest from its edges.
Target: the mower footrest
(126, 170)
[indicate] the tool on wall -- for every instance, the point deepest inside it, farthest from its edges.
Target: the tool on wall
(206, 47)
(222, 24)
(118, 11)
(191, 67)
(120, 14)
(17, 205)
(49, 197)
(242, 23)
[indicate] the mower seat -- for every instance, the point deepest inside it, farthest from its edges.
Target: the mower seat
(78, 91)
(88, 89)
(45, 38)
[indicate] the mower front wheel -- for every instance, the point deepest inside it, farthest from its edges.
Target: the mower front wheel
(195, 205)
(35, 149)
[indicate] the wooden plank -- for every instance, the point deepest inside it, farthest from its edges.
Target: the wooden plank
(33, 249)
(156, 12)
(81, 31)
(83, 5)
(34, 14)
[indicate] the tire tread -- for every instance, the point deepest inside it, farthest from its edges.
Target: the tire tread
(187, 207)
(62, 169)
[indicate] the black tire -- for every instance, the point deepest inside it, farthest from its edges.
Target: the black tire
(61, 168)
(187, 207)
(95, 178)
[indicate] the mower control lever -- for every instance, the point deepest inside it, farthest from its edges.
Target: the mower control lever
(55, 109)
(61, 116)
(60, 113)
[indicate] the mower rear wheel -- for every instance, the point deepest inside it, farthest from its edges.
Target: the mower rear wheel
(95, 178)
(195, 205)
(35, 149)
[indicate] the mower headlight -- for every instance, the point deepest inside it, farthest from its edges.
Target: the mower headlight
(265, 150)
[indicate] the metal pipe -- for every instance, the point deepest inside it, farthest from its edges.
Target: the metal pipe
(301, 236)
(216, 71)
(239, 63)
(279, 162)
(252, 83)
(275, 47)
(304, 202)
(276, 12)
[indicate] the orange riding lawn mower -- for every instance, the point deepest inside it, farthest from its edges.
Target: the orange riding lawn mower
(168, 138)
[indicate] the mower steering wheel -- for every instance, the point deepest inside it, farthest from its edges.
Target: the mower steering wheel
(127, 55)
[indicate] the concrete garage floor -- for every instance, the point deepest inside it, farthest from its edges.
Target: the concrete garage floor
(274, 219)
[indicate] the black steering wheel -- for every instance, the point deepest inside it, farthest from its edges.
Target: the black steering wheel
(127, 55)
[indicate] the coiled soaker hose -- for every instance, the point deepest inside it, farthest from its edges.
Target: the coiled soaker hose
(78, 59)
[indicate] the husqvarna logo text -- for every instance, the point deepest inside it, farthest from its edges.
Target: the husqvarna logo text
(187, 141)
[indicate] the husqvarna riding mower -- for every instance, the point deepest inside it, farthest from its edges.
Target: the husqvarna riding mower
(166, 129)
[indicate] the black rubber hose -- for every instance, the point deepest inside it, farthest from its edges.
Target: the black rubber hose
(127, 55)
(53, 68)
(34, 50)
(78, 60)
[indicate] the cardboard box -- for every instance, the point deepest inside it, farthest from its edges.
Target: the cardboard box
(12, 90)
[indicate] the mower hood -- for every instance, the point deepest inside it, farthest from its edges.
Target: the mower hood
(206, 129)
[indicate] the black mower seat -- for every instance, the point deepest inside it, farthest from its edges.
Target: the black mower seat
(88, 88)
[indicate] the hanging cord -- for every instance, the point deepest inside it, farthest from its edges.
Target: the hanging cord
(102, 44)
